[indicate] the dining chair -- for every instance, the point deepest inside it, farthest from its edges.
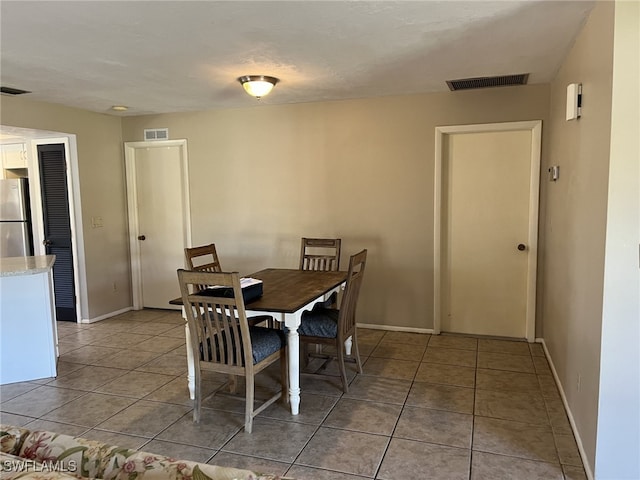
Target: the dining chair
(320, 254)
(330, 326)
(205, 259)
(223, 341)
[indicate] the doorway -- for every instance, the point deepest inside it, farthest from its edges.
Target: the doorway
(159, 219)
(486, 228)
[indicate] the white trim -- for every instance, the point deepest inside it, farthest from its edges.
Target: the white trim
(392, 328)
(576, 434)
(535, 126)
(106, 316)
(132, 206)
(75, 213)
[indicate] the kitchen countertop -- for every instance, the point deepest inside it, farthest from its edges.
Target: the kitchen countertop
(15, 266)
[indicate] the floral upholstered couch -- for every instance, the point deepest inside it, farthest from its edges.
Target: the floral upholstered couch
(36, 455)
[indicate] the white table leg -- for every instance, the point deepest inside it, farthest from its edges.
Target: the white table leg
(191, 378)
(293, 343)
(348, 343)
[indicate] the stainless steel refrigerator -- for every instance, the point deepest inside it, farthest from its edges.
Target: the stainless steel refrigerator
(15, 218)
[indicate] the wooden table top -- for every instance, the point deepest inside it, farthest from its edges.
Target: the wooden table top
(288, 290)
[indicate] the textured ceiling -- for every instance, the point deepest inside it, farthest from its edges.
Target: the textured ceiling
(172, 56)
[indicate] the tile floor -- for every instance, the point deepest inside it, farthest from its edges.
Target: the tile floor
(441, 407)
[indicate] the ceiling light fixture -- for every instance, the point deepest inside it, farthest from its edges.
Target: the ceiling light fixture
(119, 108)
(258, 85)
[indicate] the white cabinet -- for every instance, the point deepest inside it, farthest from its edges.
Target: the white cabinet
(14, 155)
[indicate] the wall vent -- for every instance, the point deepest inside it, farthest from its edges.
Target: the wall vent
(156, 134)
(484, 82)
(12, 91)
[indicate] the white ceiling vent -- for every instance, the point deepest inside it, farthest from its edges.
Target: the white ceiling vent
(156, 134)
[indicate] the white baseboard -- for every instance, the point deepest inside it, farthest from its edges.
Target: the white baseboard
(394, 328)
(105, 316)
(576, 434)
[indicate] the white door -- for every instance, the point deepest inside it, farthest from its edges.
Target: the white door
(489, 195)
(159, 226)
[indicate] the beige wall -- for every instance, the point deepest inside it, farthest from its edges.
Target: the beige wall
(575, 221)
(102, 192)
(263, 177)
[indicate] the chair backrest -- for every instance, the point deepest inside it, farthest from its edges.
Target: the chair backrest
(347, 315)
(218, 325)
(320, 254)
(202, 259)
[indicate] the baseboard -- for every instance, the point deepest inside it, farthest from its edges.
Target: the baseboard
(105, 316)
(392, 328)
(576, 434)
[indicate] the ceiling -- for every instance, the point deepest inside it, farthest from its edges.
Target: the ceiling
(176, 56)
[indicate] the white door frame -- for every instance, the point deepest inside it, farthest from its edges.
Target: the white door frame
(132, 206)
(535, 126)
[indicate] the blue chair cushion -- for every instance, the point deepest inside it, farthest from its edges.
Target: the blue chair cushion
(319, 322)
(264, 342)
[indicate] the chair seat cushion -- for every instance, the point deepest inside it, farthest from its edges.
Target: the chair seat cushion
(319, 322)
(264, 342)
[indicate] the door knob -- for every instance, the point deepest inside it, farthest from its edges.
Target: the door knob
(141, 237)
(46, 242)
(522, 247)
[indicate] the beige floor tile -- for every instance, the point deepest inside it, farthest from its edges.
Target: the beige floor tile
(435, 426)
(573, 473)
(441, 397)
(135, 384)
(127, 359)
(161, 344)
(15, 420)
(178, 450)
(568, 450)
(379, 389)
(89, 410)
(386, 367)
(541, 366)
(321, 385)
(313, 409)
(255, 464)
(144, 418)
(87, 378)
(123, 440)
(515, 439)
(500, 380)
(450, 356)
(154, 328)
(453, 341)
(271, 439)
(558, 416)
(128, 340)
(503, 346)
(536, 350)
(176, 332)
(169, 364)
(177, 392)
(505, 361)
(548, 387)
(370, 335)
(214, 429)
(488, 466)
(446, 374)
(409, 459)
(516, 406)
(39, 401)
(308, 473)
(399, 351)
(11, 390)
(63, 428)
(406, 338)
(364, 416)
(90, 354)
(344, 451)
(65, 368)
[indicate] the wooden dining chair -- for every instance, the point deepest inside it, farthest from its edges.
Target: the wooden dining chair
(320, 254)
(223, 341)
(205, 259)
(329, 326)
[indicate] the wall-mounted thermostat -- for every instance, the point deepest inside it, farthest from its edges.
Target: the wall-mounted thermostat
(574, 101)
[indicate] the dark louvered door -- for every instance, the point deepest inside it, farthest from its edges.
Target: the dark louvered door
(57, 226)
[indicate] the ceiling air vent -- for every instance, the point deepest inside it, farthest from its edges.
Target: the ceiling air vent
(484, 82)
(156, 134)
(12, 91)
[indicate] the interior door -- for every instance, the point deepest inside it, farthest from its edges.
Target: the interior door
(159, 232)
(486, 181)
(57, 226)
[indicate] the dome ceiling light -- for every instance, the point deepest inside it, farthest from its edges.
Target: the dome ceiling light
(258, 85)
